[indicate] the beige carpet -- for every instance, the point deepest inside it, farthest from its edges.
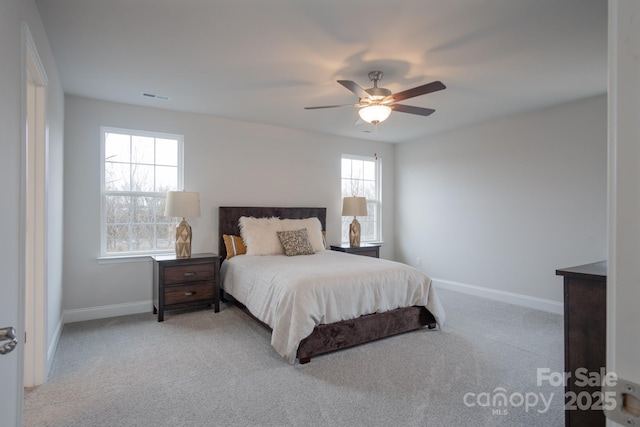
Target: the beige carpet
(199, 368)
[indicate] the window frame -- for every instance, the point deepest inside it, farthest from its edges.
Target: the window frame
(377, 203)
(104, 254)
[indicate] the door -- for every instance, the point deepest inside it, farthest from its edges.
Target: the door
(623, 282)
(13, 211)
(10, 357)
(12, 277)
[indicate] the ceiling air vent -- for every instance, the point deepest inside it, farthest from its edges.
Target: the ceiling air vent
(155, 96)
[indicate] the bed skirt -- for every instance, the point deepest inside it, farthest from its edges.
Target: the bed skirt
(347, 333)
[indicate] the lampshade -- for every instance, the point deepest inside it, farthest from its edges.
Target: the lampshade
(182, 204)
(354, 206)
(375, 113)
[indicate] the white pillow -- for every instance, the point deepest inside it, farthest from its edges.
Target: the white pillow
(314, 230)
(260, 235)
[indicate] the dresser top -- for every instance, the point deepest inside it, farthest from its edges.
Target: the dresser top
(172, 257)
(594, 271)
(362, 245)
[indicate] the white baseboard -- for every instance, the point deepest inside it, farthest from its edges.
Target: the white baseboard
(508, 297)
(53, 345)
(104, 311)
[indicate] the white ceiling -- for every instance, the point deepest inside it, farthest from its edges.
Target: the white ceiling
(265, 60)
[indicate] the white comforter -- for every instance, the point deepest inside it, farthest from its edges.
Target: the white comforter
(294, 294)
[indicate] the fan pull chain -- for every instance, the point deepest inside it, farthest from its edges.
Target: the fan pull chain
(375, 149)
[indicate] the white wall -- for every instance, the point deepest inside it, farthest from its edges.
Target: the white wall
(229, 162)
(12, 13)
(503, 204)
(55, 196)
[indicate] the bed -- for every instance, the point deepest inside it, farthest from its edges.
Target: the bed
(327, 332)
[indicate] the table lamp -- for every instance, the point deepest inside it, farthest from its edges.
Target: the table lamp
(183, 204)
(354, 206)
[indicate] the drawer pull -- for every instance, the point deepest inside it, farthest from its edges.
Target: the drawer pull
(190, 273)
(188, 294)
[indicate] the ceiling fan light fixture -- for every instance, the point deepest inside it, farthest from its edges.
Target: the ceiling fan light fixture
(375, 113)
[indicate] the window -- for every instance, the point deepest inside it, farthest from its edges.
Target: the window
(361, 177)
(138, 168)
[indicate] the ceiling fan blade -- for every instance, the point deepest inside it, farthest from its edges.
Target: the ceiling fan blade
(417, 91)
(354, 87)
(412, 110)
(332, 106)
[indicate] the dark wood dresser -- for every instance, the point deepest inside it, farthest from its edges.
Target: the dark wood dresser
(366, 249)
(585, 337)
(185, 282)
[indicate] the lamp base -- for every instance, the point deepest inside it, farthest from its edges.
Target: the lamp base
(354, 233)
(183, 240)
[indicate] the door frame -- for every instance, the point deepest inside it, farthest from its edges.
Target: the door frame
(34, 212)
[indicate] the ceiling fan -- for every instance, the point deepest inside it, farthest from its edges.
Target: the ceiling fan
(376, 103)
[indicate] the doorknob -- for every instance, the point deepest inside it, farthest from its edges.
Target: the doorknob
(8, 334)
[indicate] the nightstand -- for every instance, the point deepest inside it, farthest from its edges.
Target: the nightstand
(365, 249)
(185, 282)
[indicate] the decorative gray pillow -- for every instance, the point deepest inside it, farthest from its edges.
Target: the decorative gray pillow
(295, 242)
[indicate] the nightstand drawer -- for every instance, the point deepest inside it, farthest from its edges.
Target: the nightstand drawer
(188, 293)
(189, 273)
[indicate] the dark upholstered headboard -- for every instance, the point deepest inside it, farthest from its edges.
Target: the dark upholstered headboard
(228, 218)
